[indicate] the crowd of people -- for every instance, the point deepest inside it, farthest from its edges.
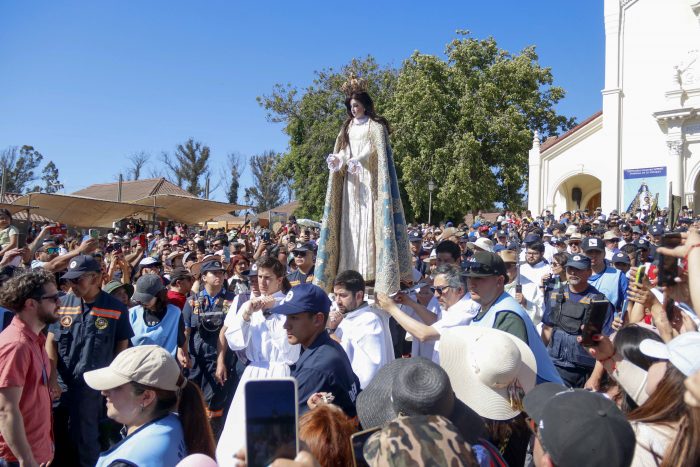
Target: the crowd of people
(521, 340)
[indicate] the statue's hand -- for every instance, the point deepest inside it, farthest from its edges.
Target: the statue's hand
(334, 162)
(354, 166)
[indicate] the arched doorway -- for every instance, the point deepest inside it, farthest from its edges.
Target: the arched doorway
(580, 191)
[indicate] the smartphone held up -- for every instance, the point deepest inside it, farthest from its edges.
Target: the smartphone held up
(271, 408)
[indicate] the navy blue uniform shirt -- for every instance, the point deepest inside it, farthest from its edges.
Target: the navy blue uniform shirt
(86, 334)
(324, 367)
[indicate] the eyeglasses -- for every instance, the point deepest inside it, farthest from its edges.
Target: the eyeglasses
(439, 290)
(54, 298)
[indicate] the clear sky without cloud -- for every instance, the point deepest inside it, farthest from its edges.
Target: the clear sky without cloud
(89, 83)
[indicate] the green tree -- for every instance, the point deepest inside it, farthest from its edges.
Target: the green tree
(20, 164)
(467, 123)
(312, 119)
(49, 175)
(189, 166)
(266, 192)
(232, 175)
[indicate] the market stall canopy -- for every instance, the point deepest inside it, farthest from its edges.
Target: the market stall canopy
(187, 209)
(78, 211)
(14, 209)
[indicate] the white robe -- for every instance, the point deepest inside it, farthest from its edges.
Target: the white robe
(460, 314)
(365, 336)
(357, 251)
(269, 354)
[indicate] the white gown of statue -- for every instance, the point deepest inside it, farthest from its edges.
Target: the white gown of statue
(265, 343)
(357, 224)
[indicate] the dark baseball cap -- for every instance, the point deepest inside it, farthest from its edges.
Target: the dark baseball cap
(304, 247)
(486, 264)
(641, 243)
(210, 266)
(578, 262)
(656, 230)
(414, 237)
(592, 243)
(304, 298)
(112, 286)
(147, 287)
(609, 439)
(80, 265)
(501, 233)
(179, 273)
(531, 238)
(253, 271)
(621, 258)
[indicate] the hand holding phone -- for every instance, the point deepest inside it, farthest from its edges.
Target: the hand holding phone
(594, 322)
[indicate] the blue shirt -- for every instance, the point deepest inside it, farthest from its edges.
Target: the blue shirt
(158, 443)
(86, 334)
(324, 367)
(611, 283)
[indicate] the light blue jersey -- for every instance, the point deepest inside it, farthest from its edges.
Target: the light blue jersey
(160, 443)
(163, 334)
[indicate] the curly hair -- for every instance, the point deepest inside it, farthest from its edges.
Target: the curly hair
(20, 288)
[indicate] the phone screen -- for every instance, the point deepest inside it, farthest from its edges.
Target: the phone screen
(596, 320)
(358, 443)
(271, 420)
(668, 265)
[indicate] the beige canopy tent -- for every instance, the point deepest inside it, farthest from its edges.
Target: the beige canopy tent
(14, 209)
(78, 211)
(186, 209)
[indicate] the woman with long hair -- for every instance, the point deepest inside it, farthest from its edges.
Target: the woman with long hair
(326, 431)
(364, 225)
(258, 332)
(163, 413)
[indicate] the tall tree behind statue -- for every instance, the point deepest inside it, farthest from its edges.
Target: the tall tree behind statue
(465, 119)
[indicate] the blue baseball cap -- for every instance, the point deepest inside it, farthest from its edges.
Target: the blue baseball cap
(578, 262)
(656, 230)
(621, 258)
(531, 238)
(304, 298)
(80, 265)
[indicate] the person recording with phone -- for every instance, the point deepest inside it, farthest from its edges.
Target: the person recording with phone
(565, 313)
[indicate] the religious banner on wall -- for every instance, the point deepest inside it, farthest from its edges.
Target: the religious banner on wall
(645, 189)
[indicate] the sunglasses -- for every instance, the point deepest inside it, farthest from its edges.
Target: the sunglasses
(480, 268)
(439, 290)
(574, 243)
(54, 298)
(52, 250)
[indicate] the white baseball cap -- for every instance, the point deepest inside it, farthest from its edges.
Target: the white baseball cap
(150, 365)
(683, 351)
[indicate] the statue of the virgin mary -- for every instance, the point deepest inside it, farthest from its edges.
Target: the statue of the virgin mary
(364, 227)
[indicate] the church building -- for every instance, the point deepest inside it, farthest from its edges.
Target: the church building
(645, 143)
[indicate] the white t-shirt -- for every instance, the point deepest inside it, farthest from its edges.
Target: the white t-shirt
(365, 336)
(460, 314)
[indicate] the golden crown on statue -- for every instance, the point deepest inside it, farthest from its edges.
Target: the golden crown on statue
(354, 85)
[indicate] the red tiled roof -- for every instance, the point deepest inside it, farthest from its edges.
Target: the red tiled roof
(132, 190)
(557, 139)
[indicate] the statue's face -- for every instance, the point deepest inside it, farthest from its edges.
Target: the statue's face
(357, 109)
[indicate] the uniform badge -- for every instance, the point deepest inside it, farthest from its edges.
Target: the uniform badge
(101, 323)
(66, 321)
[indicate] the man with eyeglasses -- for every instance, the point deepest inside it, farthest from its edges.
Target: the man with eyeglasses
(457, 308)
(92, 329)
(47, 255)
(487, 278)
(25, 403)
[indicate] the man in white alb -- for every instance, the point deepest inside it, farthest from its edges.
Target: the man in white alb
(362, 330)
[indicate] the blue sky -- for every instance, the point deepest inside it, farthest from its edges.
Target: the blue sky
(89, 83)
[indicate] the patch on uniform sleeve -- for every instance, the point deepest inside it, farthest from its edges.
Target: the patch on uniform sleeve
(101, 323)
(66, 321)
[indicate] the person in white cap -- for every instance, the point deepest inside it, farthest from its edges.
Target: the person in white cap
(162, 412)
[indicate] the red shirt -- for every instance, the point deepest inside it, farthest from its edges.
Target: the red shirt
(176, 298)
(24, 363)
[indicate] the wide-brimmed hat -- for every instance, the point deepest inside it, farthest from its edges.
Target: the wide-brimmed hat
(575, 237)
(415, 386)
(508, 256)
(610, 235)
(490, 370)
(149, 365)
(481, 242)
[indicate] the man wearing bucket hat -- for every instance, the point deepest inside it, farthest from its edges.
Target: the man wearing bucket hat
(93, 328)
(204, 314)
(323, 366)
(487, 276)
